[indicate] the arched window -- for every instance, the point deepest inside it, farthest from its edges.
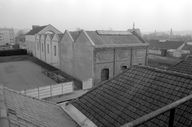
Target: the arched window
(104, 74)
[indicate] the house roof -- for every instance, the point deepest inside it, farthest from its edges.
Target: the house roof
(36, 30)
(134, 93)
(75, 34)
(155, 44)
(184, 66)
(30, 112)
(100, 38)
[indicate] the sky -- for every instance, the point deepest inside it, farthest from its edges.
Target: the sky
(148, 15)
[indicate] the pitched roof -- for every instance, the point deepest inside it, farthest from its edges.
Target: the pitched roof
(134, 93)
(155, 44)
(100, 37)
(184, 66)
(36, 30)
(29, 112)
(75, 34)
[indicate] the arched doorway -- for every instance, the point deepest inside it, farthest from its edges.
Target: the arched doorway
(105, 74)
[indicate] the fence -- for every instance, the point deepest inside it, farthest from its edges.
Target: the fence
(49, 91)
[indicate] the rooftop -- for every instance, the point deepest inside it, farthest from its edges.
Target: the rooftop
(136, 92)
(23, 111)
(184, 66)
(35, 30)
(155, 44)
(100, 38)
(75, 34)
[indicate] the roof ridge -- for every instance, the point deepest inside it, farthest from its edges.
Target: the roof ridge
(170, 72)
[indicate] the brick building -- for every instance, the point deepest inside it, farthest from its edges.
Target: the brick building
(89, 55)
(100, 55)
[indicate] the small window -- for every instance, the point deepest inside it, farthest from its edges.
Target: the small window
(105, 74)
(123, 68)
(55, 51)
(140, 63)
(47, 48)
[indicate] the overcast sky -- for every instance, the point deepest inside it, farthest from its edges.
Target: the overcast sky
(148, 15)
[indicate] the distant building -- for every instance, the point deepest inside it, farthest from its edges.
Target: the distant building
(100, 55)
(166, 48)
(6, 36)
(89, 55)
(31, 36)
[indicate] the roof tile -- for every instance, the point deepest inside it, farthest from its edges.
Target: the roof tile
(134, 93)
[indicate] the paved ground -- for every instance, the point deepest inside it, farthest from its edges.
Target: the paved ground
(21, 75)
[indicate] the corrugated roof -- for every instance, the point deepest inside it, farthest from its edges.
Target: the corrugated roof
(29, 112)
(36, 30)
(136, 92)
(155, 44)
(113, 37)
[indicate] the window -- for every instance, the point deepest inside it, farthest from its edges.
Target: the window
(47, 48)
(42, 47)
(105, 74)
(123, 68)
(55, 50)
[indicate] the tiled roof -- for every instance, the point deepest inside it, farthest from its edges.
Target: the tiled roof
(155, 44)
(36, 30)
(113, 37)
(184, 66)
(29, 112)
(75, 34)
(136, 92)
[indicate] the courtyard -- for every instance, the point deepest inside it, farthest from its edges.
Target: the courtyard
(20, 75)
